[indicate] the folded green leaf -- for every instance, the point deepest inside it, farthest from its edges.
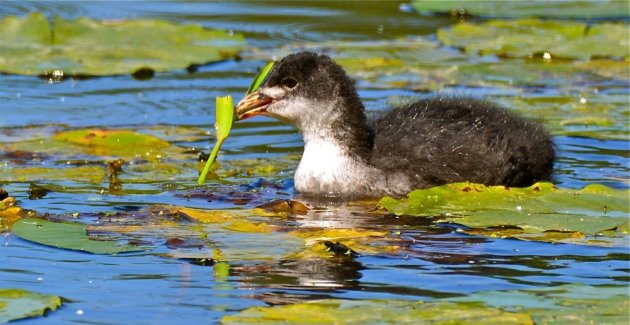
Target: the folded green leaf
(224, 120)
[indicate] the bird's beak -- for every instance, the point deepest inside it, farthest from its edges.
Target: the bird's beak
(253, 104)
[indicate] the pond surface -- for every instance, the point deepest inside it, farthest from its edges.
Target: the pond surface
(435, 262)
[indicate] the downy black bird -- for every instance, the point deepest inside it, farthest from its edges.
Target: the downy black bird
(422, 144)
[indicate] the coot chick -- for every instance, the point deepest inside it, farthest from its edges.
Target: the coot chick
(422, 144)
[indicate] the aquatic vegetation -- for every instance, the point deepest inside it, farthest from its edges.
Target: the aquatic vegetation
(58, 48)
(18, 304)
(99, 174)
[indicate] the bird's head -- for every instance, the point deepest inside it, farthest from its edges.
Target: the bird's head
(305, 89)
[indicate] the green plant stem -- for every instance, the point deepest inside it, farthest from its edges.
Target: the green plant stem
(213, 156)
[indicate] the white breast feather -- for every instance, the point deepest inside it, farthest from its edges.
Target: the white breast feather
(325, 168)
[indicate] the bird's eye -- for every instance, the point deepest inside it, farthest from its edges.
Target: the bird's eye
(289, 82)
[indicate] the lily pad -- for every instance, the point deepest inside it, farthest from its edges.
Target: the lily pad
(527, 37)
(529, 8)
(36, 45)
(593, 116)
(567, 303)
(18, 304)
(421, 64)
(535, 209)
(67, 235)
(377, 311)
(87, 174)
(113, 142)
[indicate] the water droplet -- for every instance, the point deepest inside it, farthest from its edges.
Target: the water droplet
(40, 279)
(79, 312)
(582, 100)
(406, 7)
(519, 208)
(547, 57)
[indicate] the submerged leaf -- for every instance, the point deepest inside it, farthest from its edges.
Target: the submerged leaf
(33, 45)
(67, 235)
(18, 304)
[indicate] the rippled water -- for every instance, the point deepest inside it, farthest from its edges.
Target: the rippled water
(146, 288)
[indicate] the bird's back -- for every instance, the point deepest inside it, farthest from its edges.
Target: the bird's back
(447, 139)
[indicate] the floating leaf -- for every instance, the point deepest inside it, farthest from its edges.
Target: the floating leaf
(531, 8)
(18, 304)
(535, 209)
(224, 120)
(260, 78)
(561, 304)
(593, 116)
(114, 142)
(377, 311)
(523, 38)
(67, 235)
(35, 45)
(87, 174)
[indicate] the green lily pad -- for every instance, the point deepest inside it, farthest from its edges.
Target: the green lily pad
(334, 311)
(593, 116)
(35, 45)
(66, 235)
(524, 9)
(536, 209)
(527, 37)
(18, 304)
(567, 303)
(423, 65)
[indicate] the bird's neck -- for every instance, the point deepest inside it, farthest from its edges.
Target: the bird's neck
(344, 128)
(336, 153)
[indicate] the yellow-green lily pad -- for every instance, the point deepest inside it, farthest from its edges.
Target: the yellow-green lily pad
(18, 304)
(122, 143)
(87, 174)
(334, 311)
(36, 45)
(527, 8)
(527, 37)
(536, 209)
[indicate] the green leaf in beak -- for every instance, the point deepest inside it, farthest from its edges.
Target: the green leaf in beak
(260, 78)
